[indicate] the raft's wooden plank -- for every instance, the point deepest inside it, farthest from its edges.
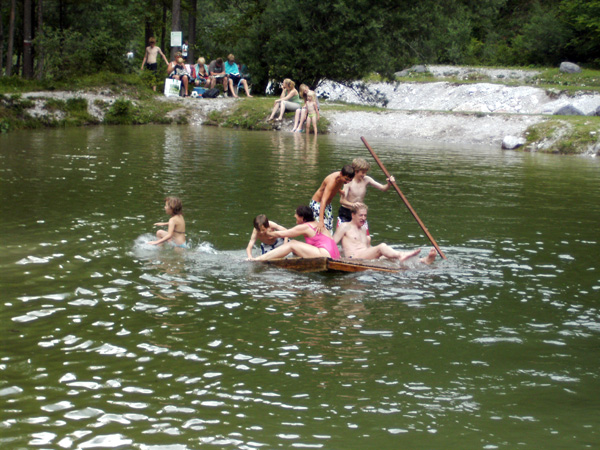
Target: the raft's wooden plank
(300, 264)
(331, 265)
(353, 265)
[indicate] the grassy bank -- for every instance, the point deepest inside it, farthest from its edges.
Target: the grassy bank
(565, 135)
(251, 114)
(129, 99)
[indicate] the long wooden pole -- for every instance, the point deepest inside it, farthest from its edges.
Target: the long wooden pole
(410, 208)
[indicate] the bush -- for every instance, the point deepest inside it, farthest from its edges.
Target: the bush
(121, 112)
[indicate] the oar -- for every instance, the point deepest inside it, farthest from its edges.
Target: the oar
(410, 208)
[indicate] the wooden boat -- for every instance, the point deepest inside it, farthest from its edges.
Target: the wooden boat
(324, 264)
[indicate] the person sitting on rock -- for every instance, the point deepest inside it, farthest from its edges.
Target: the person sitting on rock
(177, 71)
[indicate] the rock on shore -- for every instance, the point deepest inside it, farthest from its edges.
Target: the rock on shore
(480, 113)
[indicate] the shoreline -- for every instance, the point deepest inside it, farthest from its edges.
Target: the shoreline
(438, 111)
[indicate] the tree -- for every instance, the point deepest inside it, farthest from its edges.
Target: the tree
(584, 18)
(27, 39)
(192, 30)
(11, 38)
(175, 22)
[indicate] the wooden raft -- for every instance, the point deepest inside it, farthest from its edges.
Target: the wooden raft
(324, 264)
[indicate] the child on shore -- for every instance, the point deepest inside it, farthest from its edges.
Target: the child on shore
(175, 233)
(262, 227)
(312, 110)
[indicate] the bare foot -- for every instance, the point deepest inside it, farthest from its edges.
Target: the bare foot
(406, 255)
(429, 258)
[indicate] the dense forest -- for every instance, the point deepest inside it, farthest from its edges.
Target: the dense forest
(306, 40)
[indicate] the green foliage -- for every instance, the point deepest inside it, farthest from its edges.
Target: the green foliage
(583, 16)
(544, 38)
(121, 112)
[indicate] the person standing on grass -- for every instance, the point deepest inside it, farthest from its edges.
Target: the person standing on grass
(150, 59)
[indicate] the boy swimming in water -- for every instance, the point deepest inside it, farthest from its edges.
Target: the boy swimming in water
(262, 227)
(175, 233)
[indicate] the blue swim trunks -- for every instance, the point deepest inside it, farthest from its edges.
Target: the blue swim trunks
(327, 216)
(264, 248)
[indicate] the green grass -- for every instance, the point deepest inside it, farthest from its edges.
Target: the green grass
(567, 135)
(252, 114)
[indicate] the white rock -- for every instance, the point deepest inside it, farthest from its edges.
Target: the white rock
(512, 142)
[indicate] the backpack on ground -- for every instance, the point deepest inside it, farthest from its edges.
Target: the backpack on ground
(211, 93)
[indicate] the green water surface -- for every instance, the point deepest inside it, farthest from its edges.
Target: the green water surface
(110, 343)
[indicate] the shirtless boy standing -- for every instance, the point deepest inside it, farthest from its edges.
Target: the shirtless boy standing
(355, 191)
(262, 227)
(321, 201)
(357, 244)
(150, 57)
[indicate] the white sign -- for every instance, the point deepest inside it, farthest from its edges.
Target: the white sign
(176, 37)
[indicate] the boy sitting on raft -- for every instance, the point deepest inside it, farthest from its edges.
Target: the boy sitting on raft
(262, 228)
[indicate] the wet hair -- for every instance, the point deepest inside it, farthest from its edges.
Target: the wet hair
(175, 204)
(360, 164)
(348, 171)
(358, 206)
(305, 213)
(152, 41)
(261, 220)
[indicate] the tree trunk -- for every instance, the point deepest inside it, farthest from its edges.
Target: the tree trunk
(1, 40)
(11, 38)
(163, 31)
(192, 30)
(27, 40)
(39, 50)
(175, 22)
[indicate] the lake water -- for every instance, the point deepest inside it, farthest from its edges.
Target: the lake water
(108, 343)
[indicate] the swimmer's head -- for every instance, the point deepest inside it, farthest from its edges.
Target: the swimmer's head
(174, 204)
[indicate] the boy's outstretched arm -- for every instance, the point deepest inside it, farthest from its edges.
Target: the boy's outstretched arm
(251, 243)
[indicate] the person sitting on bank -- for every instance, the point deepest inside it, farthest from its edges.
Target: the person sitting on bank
(300, 114)
(262, 227)
(177, 71)
(235, 78)
(216, 69)
(288, 101)
(356, 243)
(316, 245)
(355, 191)
(203, 77)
